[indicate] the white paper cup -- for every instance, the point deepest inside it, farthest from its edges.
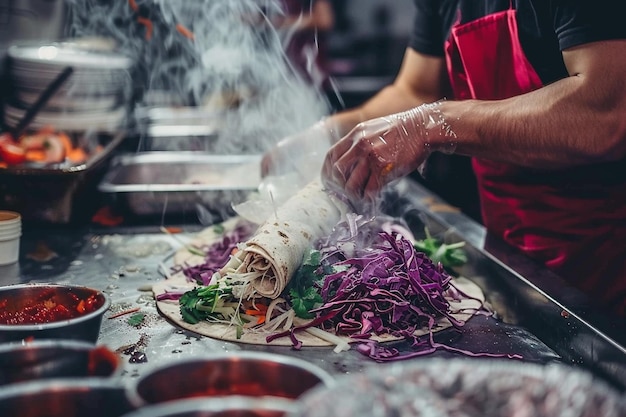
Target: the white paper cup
(10, 235)
(12, 229)
(10, 232)
(8, 218)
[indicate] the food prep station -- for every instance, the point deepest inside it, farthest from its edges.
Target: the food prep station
(537, 316)
(162, 173)
(158, 187)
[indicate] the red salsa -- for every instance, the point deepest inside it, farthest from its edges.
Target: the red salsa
(49, 305)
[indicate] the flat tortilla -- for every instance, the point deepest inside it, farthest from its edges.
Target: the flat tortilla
(207, 236)
(171, 310)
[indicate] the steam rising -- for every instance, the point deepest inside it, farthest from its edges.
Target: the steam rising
(221, 55)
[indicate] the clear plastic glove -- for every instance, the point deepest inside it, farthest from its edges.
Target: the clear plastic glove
(303, 152)
(381, 150)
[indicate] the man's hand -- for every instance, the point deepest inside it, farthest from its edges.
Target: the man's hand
(381, 150)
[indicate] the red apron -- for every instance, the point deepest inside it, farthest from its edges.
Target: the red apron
(571, 221)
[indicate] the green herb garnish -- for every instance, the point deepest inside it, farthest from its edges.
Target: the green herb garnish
(449, 255)
(136, 319)
(304, 285)
(201, 303)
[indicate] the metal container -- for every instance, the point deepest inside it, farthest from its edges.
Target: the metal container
(85, 327)
(59, 193)
(153, 183)
(178, 128)
(44, 359)
(65, 398)
(235, 406)
(249, 374)
(176, 138)
(465, 387)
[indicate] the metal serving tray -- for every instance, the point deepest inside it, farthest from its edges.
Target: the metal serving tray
(199, 137)
(177, 129)
(59, 193)
(149, 183)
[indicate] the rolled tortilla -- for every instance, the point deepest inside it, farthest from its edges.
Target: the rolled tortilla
(279, 245)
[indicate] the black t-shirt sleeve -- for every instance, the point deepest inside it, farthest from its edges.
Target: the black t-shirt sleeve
(581, 21)
(427, 36)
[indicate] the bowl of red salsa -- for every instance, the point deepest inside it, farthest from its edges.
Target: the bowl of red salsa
(51, 311)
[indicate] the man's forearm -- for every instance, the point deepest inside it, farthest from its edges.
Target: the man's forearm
(557, 126)
(391, 99)
(577, 120)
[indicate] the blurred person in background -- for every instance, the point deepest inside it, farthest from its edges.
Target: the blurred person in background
(306, 24)
(535, 93)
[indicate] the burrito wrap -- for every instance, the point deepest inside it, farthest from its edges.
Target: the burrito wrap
(280, 244)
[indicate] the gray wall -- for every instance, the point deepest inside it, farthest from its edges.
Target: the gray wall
(361, 12)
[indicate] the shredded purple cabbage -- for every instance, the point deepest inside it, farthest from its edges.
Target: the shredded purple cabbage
(383, 286)
(216, 255)
(170, 295)
(392, 290)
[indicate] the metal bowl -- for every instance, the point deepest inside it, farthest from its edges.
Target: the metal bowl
(43, 359)
(21, 298)
(60, 193)
(466, 387)
(234, 406)
(65, 398)
(251, 374)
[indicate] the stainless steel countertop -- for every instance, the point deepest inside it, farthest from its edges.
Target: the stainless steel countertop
(125, 261)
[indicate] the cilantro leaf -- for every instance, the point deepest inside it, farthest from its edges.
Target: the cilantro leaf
(449, 255)
(303, 288)
(302, 303)
(136, 319)
(188, 310)
(191, 302)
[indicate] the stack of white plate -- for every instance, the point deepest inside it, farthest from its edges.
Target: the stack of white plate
(95, 97)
